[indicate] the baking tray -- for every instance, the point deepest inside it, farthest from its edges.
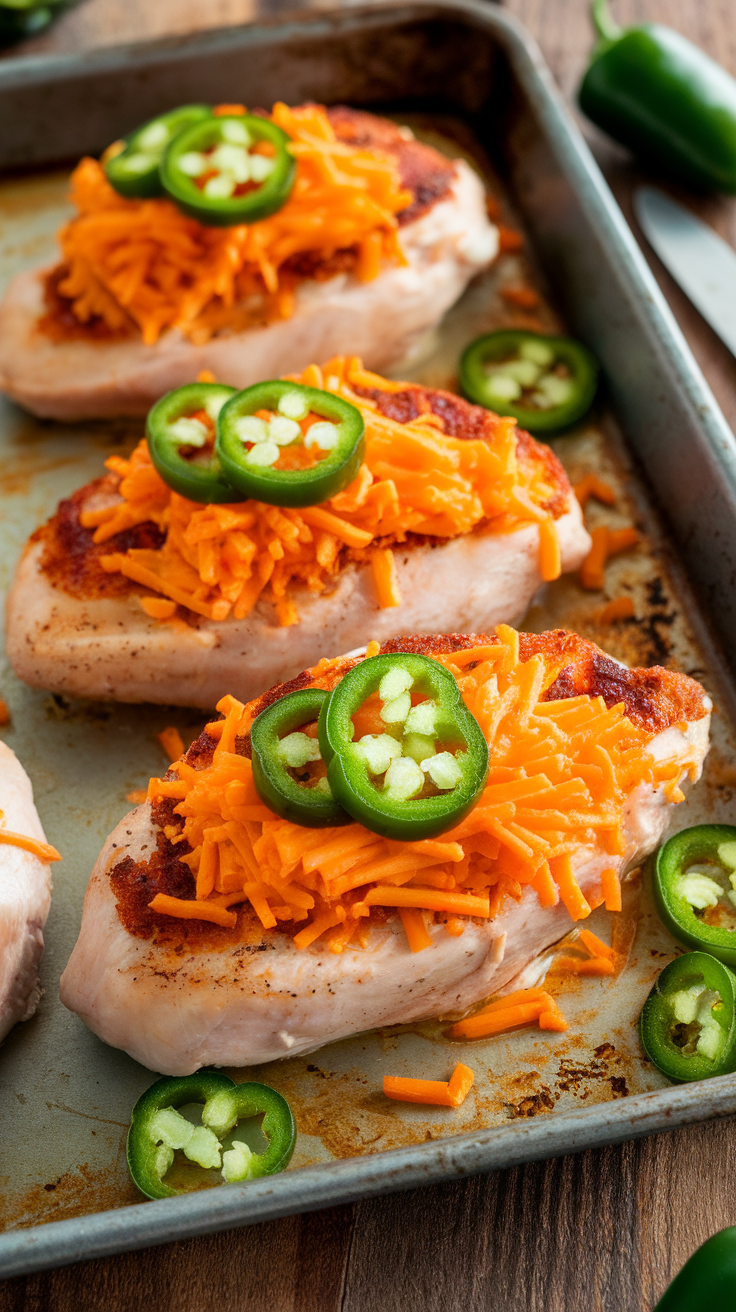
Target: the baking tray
(468, 73)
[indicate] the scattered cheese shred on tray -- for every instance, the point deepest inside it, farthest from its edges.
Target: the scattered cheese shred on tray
(621, 608)
(146, 263)
(172, 742)
(524, 298)
(602, 959)
(585, 966)
(606, 542)
(217, 560)
(435, 1093)
(509, 239)
(593, 486)
(507, 1013)
(560, 772)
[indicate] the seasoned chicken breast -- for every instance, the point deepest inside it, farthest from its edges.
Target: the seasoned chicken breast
(180, 994)
(73, 628)
(25, 895)
(446, 238)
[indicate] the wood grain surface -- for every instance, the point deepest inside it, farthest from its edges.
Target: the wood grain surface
(601, 1232)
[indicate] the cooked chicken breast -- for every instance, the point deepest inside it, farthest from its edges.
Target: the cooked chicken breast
(108, 648)
(25, 896)
(179, 995)
(73, 628)
(445, 235)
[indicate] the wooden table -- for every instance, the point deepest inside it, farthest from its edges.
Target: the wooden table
(601, 1232)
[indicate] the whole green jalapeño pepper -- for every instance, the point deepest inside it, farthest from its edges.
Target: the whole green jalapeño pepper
(694, 873)
(284, 761)
(181, 445)
(158, 1129)
(688, 1022)
(216, 171)
(546, 383)
(657, 93)
(249, 447)
(427, 769)
(134, 170)
(708, 1278)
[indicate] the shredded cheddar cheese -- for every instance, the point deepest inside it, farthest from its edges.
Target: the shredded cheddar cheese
(593, 486)
(606, 542)
(523, 1007)
(44, 851)
(145, 263)
(217, 560)
(621, 608)
(171, 741)
(601, 959)
(560, 772)
(435, 1093)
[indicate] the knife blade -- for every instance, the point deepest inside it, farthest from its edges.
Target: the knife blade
(699, 260)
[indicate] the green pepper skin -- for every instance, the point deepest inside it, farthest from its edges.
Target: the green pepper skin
(228, 212)
(289, 799)
(291, 487)
(167, 1092)
(658, 94)
(225, 1103)
(708, 1278)
(347, 770)
(497, 345)
(700, 843)
(657, 1020)
(198, 481)
(141, 185)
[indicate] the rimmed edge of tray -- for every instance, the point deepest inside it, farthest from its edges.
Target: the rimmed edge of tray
(59, 1243)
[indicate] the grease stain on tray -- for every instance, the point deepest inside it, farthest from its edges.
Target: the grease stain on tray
(77, 1192)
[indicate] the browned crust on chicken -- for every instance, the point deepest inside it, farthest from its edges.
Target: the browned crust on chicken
(460, 418)
(61, 323)
(423, 170)
(71, 557)
(655, 700)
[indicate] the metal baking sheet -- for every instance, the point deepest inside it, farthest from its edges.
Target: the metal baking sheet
(466, 74)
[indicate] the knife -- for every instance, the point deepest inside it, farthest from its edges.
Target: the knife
(698, 259)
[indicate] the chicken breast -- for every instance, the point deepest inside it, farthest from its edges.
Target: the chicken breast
(73, 628)
(25, 897)
(108, 648)
(180, 995)
(445, 235)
